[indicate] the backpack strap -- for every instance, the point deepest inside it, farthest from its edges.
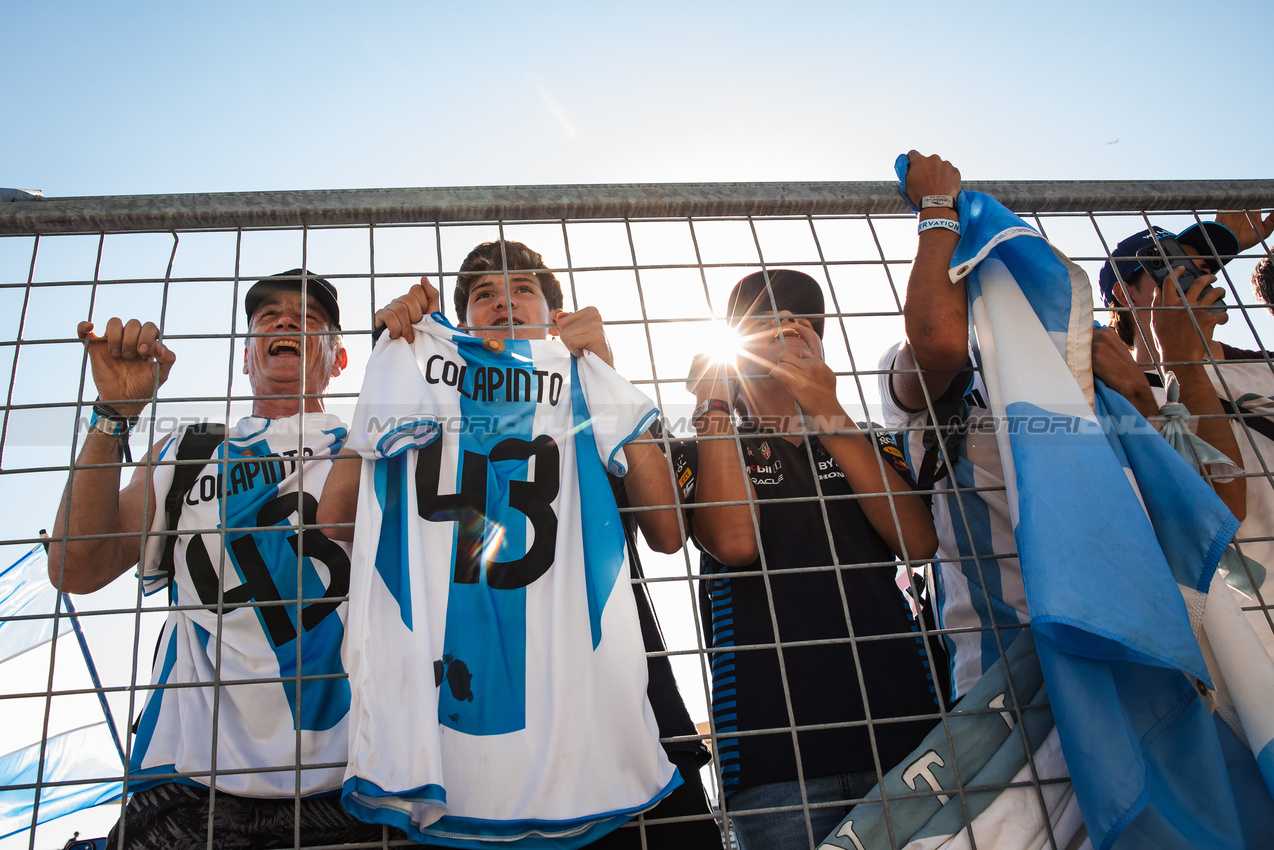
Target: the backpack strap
(1260, 424)
(197, 442)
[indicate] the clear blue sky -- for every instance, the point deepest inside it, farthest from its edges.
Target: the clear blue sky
(127, 98)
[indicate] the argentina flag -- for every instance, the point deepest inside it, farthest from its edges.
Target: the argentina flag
(68, 771)
(1119, 541)
(27, 603)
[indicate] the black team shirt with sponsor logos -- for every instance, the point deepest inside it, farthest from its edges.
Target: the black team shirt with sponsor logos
(809, 605)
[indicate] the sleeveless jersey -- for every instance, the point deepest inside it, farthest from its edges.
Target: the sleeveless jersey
(495, 655)
(245, 549)
(978, 577)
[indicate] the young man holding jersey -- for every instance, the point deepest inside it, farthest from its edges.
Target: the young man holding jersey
(525, 303)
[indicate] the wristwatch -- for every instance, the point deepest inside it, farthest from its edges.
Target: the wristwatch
(708, 406)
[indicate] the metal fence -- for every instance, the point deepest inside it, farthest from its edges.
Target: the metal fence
(657, 260)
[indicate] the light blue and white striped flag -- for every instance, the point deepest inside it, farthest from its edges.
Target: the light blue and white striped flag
(1118, 539)
(25, 592)
(87, 759)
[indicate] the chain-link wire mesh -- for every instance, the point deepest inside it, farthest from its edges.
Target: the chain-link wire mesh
(658, 262)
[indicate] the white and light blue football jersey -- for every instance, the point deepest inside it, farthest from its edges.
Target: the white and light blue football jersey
(495, 655)
(257, 558)
(978, 577)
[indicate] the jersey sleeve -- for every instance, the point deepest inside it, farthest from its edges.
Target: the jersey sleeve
(153, 578)
(685, 468)
(915, 436)
(685, 465)
(619, 412)
(396, 410)
(889, 448)
(896, 415)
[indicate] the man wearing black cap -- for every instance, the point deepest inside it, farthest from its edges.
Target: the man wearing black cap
(235, 620)
(786, 569)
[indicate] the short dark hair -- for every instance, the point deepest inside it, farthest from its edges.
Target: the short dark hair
(1122, 321)
(488, 258)
(1263, 282)
(1121, 318)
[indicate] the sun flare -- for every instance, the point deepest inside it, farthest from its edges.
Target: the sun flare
(722, 342)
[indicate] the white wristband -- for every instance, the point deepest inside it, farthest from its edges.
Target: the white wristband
(945, 223)
(937, 201)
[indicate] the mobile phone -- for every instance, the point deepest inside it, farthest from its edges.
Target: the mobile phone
(1158, 259)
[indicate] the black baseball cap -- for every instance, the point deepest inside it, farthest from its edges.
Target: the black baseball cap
(793, 290)
(1224, 245)
(290, 281)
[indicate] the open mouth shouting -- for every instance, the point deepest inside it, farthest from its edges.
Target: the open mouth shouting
(285, 346)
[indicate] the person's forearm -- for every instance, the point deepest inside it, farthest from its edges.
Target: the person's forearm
(936, 318)
(911, 535)
(725, 531)
(339, 503)
(649, 483)
(89, 509)
(936, 312)
(1213, 427)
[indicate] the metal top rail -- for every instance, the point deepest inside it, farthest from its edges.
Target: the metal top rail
(150, 213)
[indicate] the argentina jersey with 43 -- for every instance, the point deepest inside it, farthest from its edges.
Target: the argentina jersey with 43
(495, 655)
(248, 552)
